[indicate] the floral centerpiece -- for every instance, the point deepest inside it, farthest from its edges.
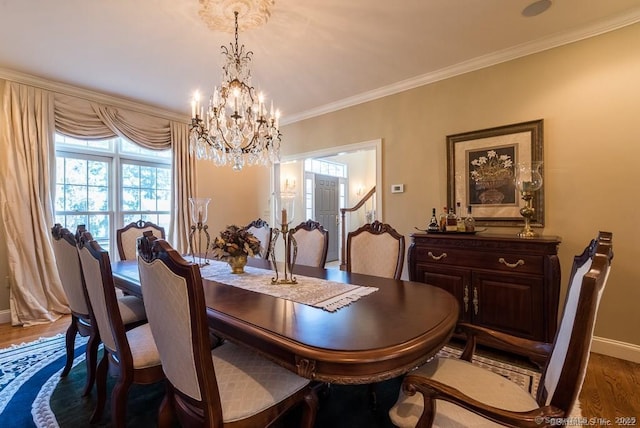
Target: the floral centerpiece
(491, 172)
(234, 245)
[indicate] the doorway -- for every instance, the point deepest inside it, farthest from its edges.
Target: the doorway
(363, 170)
(326, 197)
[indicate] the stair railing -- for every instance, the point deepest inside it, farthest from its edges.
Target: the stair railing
(343, 237)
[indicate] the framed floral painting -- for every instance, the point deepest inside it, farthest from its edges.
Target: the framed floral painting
(480, 172)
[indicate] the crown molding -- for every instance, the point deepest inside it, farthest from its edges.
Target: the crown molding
(474, 64)
(86, 94)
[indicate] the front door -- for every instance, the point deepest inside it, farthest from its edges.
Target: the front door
(326, 210)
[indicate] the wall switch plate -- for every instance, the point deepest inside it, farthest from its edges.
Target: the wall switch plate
(397, 188)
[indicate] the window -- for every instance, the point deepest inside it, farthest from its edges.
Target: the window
(108, 183)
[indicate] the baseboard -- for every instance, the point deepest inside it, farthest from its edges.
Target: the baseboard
(5, 316)
(617, 349)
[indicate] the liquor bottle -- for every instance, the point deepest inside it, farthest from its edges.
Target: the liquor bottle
(452, 224)
(459, 218)
(469, 222)
(443, 220)
(433, 226)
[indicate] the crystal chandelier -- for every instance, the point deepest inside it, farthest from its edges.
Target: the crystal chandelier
(236, 127)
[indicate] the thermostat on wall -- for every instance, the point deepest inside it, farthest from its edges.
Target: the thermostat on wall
(397, 188)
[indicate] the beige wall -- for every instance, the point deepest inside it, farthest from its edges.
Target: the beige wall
(588, 94)
(237, 197)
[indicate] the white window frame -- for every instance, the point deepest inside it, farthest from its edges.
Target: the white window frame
(116, 159)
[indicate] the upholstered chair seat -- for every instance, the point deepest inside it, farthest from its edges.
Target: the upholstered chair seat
(249, 383)
(131, 309)
(446, 392)
(487, 387)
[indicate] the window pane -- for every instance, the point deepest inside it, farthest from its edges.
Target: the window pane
(76, 198)
(164, 178)
(130, 175)
(98, 173)
(75, 171)
(148, 200)
(147, 177)
(164, 200)
(130, 199)
(98, 198)
(131, 148)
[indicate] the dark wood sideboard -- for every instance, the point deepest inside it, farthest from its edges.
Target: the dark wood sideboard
(502, 282)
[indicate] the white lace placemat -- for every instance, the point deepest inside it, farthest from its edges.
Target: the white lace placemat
(328, 295)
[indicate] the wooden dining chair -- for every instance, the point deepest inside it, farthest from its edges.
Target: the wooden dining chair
(70, 272)
(131, 355)
(261, 230)
(455, 393)
(311, 244)
(227, 386)
(126, 237)
(375, 249)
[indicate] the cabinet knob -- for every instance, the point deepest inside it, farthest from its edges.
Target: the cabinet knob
(520, 262)
(441, 256)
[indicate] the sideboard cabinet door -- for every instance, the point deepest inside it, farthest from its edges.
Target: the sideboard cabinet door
(502, 282)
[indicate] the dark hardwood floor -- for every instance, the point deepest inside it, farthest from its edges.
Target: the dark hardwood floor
(611, 390)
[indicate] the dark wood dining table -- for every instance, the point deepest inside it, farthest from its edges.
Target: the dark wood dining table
(380, 336)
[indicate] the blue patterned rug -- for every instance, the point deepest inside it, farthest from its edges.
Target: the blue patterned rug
(32, 395)
(28, 375)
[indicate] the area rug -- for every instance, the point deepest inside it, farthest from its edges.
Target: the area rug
(32, 394)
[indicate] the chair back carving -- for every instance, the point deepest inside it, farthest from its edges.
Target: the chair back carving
(376, 249)
(261, 230)
(69, 270)
(312, 241)
(126, 237)
(564, 373)
(96, 268)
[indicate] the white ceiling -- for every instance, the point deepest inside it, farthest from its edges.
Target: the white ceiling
(312, 56)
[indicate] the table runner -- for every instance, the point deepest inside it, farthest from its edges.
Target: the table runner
(320, 293)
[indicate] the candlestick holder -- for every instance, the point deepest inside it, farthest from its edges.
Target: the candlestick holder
(284, 206)
(528, 179)
(199, 231)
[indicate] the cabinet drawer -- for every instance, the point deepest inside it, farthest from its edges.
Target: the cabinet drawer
(501, 261)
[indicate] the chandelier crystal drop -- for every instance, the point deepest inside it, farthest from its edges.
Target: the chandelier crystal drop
(236, 128)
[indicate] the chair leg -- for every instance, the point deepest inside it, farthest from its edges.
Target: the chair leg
(101, 387)
(310, 409)
(166, 413)
(91, 358)
(70, 345)
(119, 400)
(373, 396)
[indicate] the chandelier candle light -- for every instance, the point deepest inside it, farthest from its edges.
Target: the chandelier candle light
(236, 127)
(284, 205)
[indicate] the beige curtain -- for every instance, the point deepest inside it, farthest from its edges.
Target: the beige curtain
(184, 185)
(80, 118)
(26, 144)
(26, 191)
